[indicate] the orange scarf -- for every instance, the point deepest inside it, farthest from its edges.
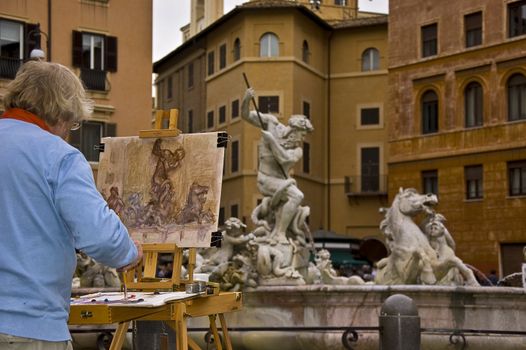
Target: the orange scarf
(25, 116)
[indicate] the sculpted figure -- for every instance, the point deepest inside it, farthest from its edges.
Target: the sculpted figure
(448, 269)
(328, 274)
(280, 148)
(419, 255)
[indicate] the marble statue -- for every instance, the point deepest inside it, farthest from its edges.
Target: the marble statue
(92, 274)
(280, 148)
(327, 273)
(419, 254)
(280, 237)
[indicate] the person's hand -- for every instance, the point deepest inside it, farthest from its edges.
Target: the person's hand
(134, 263)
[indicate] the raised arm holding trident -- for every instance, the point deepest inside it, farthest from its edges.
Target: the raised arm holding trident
(280, 148)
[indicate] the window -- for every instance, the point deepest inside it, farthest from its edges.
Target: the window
(269, 45)
(430, 181)
(473, 105)
(88, 137)
(517, 178)
(370, 60)
(222, 114)
(305, 53)
(11, 48)
(169, 88)
(429, 40)
(473, 29)
(268, 104)
(190, 121)
(222, 56)
(234, 157)
(210, 119)
(235, 109)
(306, 157)
(473, 176)
(516, 97)
(234, 211)
(221, 218)
(306, 109)
(517, 18)
(190, 75)
(370, 116)
(237, 49)
(94, 54)
(211, 63)
(340, 2)
(429, 112)
(370, 169)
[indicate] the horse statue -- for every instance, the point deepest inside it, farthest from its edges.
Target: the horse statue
(413, 259)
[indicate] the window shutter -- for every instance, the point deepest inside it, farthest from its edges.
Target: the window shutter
(77, 49)
(111, 53)
(32, 40)
(110, 130)
(74, 138)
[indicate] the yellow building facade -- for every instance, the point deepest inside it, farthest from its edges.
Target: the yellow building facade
(457, 107)
(298, 63)
(111, 53)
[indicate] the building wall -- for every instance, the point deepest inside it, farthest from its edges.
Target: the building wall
(352, 211)
(126, 100)
(296, 82)
(479, 226)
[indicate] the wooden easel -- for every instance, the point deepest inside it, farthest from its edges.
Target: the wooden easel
(143, 278)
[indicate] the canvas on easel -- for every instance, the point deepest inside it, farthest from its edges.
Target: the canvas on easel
(167, 189)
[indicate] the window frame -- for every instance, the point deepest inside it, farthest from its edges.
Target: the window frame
(306, 158)
(429, 41)
(265, 48)
(474, 176)
(473, 105)
(520, 28)
(210, 62)
(519, 165)
(370, 59)
(235, 165)
(305, 52)
(473, 29)
(430, 177)
(370, 173)
(264, 107)
(430, 123)
(520, 104)
(222, 56)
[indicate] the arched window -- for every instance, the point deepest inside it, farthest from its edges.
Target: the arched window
(473, 105)
(237, 49)
(269, 45)
(516, 97)
(370, 59)
(429, 112)
(305, 53)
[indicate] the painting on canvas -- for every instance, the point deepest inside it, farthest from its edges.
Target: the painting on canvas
(165, 190)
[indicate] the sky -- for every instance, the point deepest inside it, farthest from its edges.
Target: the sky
(170, 15)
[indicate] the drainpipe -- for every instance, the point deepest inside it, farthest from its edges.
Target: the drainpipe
(329, 131)
(49, 30)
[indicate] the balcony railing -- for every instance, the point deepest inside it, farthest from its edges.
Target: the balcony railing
(93, 79)
(373, 185)
(9, 67)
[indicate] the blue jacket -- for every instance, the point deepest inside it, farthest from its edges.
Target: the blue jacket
(49, 206)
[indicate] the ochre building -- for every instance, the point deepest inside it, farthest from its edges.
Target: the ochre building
(328, 62)
(457, 113)
(110, 52)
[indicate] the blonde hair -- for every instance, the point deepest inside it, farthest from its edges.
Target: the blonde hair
(49, 90)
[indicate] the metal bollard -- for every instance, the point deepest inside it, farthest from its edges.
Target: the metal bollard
(399, 324)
